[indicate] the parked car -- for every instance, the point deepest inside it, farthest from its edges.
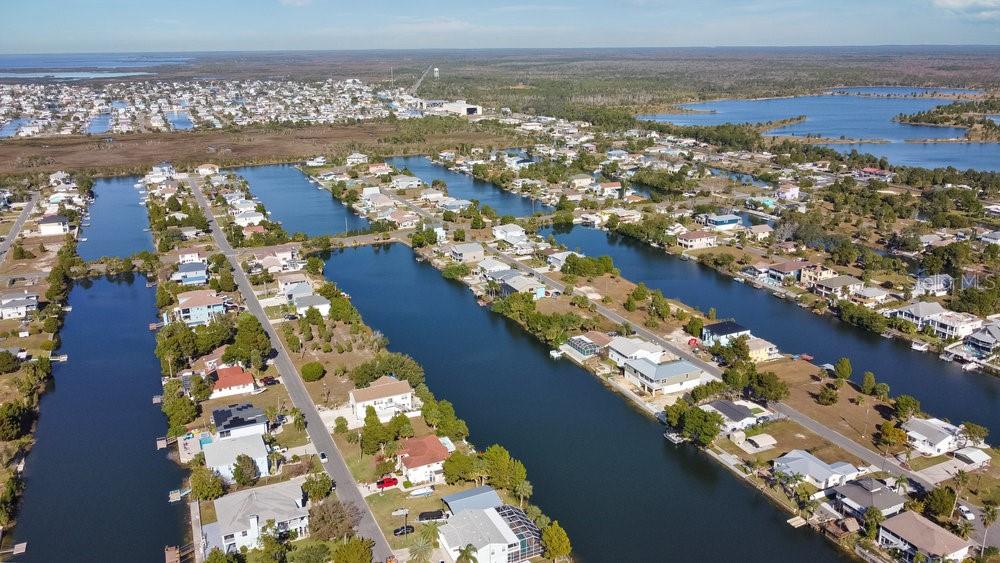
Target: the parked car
(268, 380)
(387, 482)
(966, 512)
(431, 516)
(403, 530)
(322, 457)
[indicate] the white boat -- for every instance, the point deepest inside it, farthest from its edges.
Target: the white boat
(970, 366)
(555, 354)
(920, 346)
(422, 492)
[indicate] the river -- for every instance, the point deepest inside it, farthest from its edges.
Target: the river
(300, 205)
(95, 485)
(599, 466)
(464, 186)
(117, 220)
(942, 387)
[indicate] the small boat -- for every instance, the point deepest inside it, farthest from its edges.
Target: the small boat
(83, 239)
(685, 257)
(920, 346)
(886, 335)
(970, 366)
(555, 354)
(806, 357)
(422, 492)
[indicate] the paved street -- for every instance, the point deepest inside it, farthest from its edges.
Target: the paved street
(18, 225)
(347, 488)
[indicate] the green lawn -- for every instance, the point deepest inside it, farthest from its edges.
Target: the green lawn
(291, 437)
(921, 463)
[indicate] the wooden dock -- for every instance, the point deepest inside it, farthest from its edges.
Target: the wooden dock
(162, 442)
(176, 554)
(155, 326)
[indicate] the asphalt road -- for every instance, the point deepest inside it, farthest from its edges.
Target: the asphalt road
(335, 466)
(18, 225)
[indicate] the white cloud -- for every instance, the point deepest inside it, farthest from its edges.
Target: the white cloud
(980, 10)
(295, 3)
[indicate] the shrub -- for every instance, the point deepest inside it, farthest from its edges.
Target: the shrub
(313, 371)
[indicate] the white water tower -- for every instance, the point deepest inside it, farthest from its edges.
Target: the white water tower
(437, 74)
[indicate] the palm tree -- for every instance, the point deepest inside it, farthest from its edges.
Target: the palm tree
(989, 516)
(523, 490)
(964, 528)
(429, 533)
(421, 550)
(467, 554)
(961, 480)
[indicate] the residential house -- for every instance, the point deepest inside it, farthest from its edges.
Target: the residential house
(191, 273)
(666, 378)
(491, 266)
(197, 307)
(735, 415)
(762, 350)
(220, 456)
(355, 159)
(239, 419)
(786, 271)
(838, 287)
(53, 225)
(932, 436)
(287, 282)
(870, 297)
(207, 169)
(621, 349)
(854, 498)
(580, 180)
(511, 233)
(911, 533)
(229, 381)
(406, 182)
(387, 395)
(760, 232)
(476, 498)
(248, 218)
(188, 257)
(946, 324)
(422, 459)
(314, 301)
(984, 341)
(937, 285)
(18, 304)
(491, 532)
(815, 471)
(468, 252)
(520, 283)
(242, 516)
(725, 222)
(723, 333)
(812, 274)
(695, 240)
(557, 259)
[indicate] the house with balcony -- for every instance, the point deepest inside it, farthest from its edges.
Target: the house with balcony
(197, 307)
(665, 378)
(387, 395)
(242, 515)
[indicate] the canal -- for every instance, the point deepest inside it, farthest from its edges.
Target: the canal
(464, 186)
(298, 204)
(942, 387)
(598, 465)
(95, 485)
(118, 222)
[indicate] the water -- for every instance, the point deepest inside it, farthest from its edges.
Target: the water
(74, 75)
(96, 487)
(903, 91)
(740, 177)
(10, 128)
(795, 330)
(853, 117)
(179, 120)
(464, 186)
(100, 123)
(598, 466)
(297, 203)
(117, 221)
(89, 60)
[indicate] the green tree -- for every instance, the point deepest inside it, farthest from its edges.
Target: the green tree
(206, 484)
(872, 518)
(555, 542)
(317, 486)
(939, 502)
(245, 471)
(226, 281)
(309, 552)
(313, 371)
(768, 387)
(354, 550)
(523, 489)
(905, 406)
(217, 556)
(868, 383)
(333, 520)
(251, 345)
(842, 369)
(890, 435)
(827, 396)
(694, 326)
(467, 554)
(459, 467)
(374, 434)
(15, 419)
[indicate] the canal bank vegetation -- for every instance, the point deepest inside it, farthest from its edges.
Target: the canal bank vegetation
(974, 116)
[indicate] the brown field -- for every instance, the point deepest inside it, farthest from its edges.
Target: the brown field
(125, 153)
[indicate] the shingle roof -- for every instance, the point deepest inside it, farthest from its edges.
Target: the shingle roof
(924, 534)
(417, 452)
(272, 502)
(869, 492)
(381, 388)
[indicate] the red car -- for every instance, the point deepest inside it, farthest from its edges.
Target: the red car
(387, 482)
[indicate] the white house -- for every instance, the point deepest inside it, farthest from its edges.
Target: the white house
(511, 233)
(247, 218)
(558, 259)
(241, 516)
(240, 419)
(220, 456)
(490, 532)
(736, 415)
(314, 301)
(468, 252)
(406, 182)
(356, 158)
(622, 349)
(666, 378)
(946, 324)
(230, 381)
(422, 459)
(911, 533)
(17, 305)
(387, 395)
(815, 471)
(932, 436)
(53, 225)
(695, 240)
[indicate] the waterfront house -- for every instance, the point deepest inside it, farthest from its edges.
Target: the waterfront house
(220, 456)
(992, 237)
(760, 232)
(287, 282)
(387, 395)
(984, 341)
(405, 182)
(314, 301)
(207, 169)
(815, 471)
(666, 378)
(421, 460)
(431, 195)
(198, 307)
(623, 348)
(242, 206)
(490, 266)
(695, 240)
(403, 219)
(838, 287)
(242, 515)
(580, 181)
(932, 436)
(762, 350)
(736, 415)
(476, 498)
(53, 225)
(856, 497)
(379, 169)
(467, 252)
(229, 381)
(239, 419)
(911, 534)
(500, 534)
(787, 271)
(946, 324)
(937, 285)
(520, 283)
(723, 333)
(191, 273)
(725, 222)
(188, 257)
(511, 233)
(248, 218)
(870, 297)
(18, 304)
(558, 259)
(355, 159)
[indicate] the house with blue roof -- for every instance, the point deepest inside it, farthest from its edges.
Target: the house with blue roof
(666, 378)
(191, 273)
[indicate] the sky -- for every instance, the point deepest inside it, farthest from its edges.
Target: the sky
(79, 26)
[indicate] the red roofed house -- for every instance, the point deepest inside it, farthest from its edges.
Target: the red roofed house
(422, 459)
(231, 381)
(251, 230)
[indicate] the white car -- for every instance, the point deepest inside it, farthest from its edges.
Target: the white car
(966, 512)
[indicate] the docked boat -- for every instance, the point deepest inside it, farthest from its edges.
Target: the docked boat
(555, 354)
(806, 357)
(920, 346)
(970, 366)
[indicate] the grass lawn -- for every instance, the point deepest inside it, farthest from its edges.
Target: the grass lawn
(791, 436)
(208, 515)
(921, 463)
(291, 436)
(984, 484)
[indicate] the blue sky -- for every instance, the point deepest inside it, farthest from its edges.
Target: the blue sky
(44, 26)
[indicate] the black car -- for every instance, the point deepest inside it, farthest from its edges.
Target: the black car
(431, 516)
(269, 380)
(403, 530)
